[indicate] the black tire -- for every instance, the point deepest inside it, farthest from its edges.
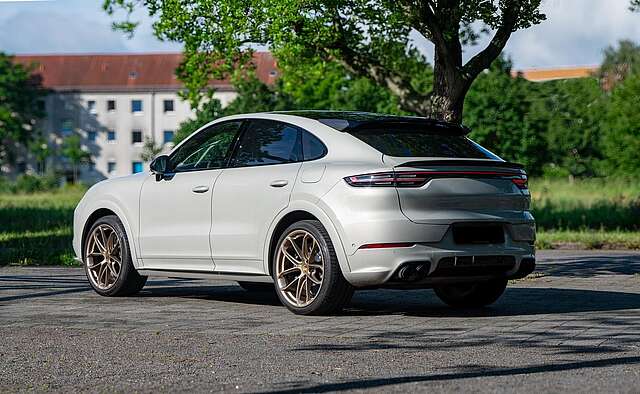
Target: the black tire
(128, 281)
(257, 287)
(335, 292)
(471, 295)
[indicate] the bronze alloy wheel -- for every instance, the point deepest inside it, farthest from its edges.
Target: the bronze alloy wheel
(299, 268)
(103, 257)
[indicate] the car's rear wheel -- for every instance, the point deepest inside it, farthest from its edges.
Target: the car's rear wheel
(257, 287)
(306, 271)
(471, 295)
(107, 259)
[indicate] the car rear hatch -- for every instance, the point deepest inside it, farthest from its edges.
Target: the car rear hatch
(441, 176)
(438, 191)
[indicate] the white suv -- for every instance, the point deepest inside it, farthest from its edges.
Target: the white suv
(319, 203)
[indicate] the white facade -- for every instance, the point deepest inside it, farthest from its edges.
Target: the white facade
(113, 126)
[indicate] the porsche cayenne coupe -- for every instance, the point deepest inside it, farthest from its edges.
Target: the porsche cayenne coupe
(315, 204)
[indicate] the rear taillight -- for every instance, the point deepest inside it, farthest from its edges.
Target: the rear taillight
(419, 178)
(521, 181)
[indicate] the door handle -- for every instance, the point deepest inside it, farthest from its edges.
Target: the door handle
(200, 189)
(279, 183)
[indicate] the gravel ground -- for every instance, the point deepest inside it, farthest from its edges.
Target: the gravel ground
(573, 328)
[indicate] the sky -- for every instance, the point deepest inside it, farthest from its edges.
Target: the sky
(575, 33)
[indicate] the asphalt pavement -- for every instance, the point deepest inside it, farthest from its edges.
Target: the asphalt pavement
(573, 327)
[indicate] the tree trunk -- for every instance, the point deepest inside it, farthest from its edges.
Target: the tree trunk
(446, 101)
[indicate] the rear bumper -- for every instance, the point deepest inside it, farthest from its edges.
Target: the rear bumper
(440, 263)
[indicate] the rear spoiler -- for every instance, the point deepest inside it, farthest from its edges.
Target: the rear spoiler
(462, 163)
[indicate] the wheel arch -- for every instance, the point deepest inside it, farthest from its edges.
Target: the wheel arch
(297, 212)
(103, 209)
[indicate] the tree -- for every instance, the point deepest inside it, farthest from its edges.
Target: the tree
(20, 93)
(370, 39)
(621, 129)
(210, 110)
(619, 62)
(72, 149)
(150, 150)
(497, 109)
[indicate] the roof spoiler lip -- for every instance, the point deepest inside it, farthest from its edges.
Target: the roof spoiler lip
(462, 163)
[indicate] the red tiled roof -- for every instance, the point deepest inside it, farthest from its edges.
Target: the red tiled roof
(125, 71)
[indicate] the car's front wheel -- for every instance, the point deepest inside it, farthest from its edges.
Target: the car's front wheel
(306, 271)
(107, 259)
(471, 295)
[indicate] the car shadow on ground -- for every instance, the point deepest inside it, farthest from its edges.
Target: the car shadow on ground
(590, 266)
(479, 372)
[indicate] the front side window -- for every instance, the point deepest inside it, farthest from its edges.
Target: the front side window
(136, 106)
(268, 142)
(208, 149)
(420, 141)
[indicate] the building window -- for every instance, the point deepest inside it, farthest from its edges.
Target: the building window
(111, 167)
(91, 167)
(67, 127)
(111, 136)
(91, 106)
(136, 167)
(136, 137)
(111, 105)
(92, 135)
(136, 106)
(168, 136)
(168, 105)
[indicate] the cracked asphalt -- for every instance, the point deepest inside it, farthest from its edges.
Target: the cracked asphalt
(574, 327)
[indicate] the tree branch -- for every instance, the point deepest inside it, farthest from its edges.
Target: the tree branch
(484, 59)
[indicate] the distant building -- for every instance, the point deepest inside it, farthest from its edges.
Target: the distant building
(113, 102)
(550, 74)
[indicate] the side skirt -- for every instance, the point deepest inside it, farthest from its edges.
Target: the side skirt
(232, 276)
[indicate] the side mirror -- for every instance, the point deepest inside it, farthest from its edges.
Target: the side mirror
(160, 166)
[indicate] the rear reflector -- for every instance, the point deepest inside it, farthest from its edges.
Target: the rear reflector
(419, 178)
(387, 245)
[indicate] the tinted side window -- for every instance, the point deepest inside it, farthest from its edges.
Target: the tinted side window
(207, 149)
(312, 147)
(268, 142)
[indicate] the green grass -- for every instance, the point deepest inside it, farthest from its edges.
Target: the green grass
(595, 204)
(36, 229)
(588, 239)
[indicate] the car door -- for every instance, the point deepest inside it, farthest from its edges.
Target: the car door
(252, 191)
(175, 212)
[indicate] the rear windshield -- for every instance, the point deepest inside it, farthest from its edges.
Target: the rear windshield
(421, 143)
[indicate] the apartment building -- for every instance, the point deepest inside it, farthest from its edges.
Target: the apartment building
(114, 102)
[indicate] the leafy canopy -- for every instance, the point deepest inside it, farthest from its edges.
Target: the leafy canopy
(20, 93)
(376, 40)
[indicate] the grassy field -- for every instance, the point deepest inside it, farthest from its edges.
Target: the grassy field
(596, 213)
(37, 228)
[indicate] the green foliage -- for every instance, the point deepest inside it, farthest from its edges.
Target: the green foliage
(621, 138)
(370, 39)
(27, 183)
(619, 62)
(209, 111)
(150, 149)
(72, 149)
(19, 109)
(497, 109)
